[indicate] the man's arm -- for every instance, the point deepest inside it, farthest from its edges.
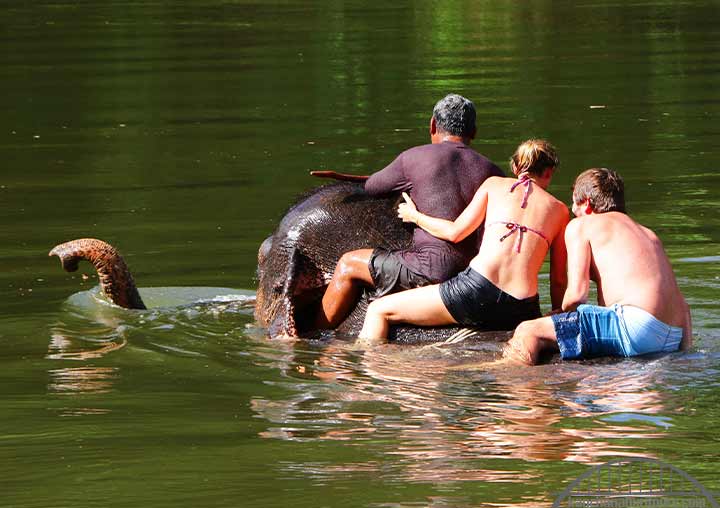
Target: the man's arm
(558, 265)
(389, 179)
(579, 256)
(453, 231)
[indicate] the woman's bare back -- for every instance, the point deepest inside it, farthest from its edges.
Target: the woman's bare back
(517, 239)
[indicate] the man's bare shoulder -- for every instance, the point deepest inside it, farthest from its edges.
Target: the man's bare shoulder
(649, 233)
(599, 221)
(578, 226)
(600, 228)
(620, 221)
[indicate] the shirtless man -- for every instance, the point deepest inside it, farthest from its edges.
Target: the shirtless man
(441, 177)
(640, 308)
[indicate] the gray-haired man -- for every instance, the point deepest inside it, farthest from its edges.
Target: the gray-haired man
(441, 178)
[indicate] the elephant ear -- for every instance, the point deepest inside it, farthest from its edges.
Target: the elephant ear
(264, 250)
(301, 293)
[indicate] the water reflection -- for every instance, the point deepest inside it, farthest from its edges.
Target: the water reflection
(75, 380)
(83, 344)
(442, 421)
(63, 347)
(89, 330)
(179, 323)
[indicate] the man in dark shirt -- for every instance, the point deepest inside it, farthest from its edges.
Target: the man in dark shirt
(441, 178)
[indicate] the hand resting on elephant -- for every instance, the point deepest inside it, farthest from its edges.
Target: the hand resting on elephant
(499, 288)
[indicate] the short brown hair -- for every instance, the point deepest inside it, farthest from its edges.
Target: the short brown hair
(603, 187)
(534, 156)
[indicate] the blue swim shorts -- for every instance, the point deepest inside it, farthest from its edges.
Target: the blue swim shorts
(618, 330)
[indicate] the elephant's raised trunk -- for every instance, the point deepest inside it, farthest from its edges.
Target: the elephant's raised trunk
(115, 278)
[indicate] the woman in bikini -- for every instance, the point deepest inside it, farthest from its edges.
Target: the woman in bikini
(499, 288)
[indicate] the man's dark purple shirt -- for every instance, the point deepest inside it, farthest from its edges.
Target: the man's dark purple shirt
(441, 179)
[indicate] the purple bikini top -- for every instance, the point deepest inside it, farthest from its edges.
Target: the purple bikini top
(523, 180)
(514, 226)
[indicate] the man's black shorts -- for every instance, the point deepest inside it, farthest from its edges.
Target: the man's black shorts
(390, 274)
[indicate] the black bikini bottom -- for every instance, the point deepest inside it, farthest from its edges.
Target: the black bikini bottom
(475, 301)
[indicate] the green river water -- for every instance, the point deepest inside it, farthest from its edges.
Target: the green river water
(181, 131)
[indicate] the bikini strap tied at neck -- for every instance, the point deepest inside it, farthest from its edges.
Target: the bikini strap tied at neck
(523, 179)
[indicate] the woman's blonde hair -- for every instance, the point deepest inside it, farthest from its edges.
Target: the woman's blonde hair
(534, 156)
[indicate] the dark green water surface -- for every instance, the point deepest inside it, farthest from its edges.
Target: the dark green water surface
(181, 131)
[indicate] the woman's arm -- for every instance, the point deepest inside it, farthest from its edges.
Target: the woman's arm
(453, 231)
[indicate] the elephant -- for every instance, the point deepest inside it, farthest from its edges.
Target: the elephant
(296, 263)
